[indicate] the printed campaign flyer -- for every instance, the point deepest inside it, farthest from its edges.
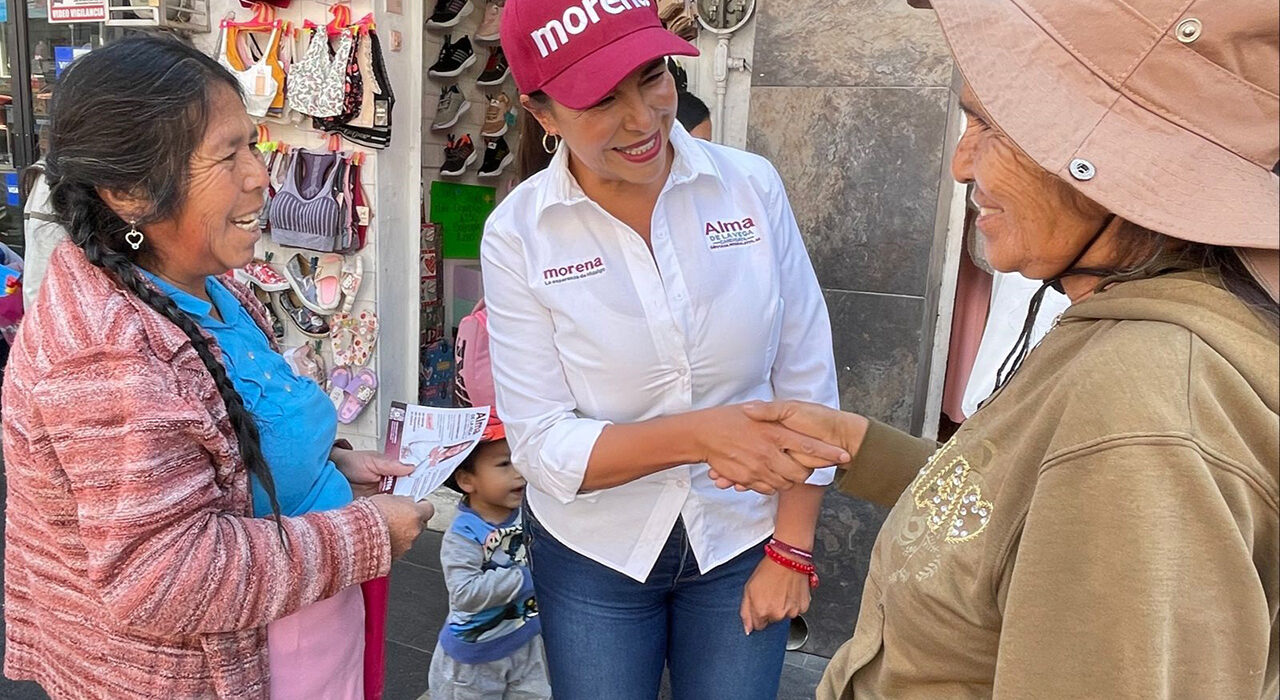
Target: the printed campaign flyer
(435, 440)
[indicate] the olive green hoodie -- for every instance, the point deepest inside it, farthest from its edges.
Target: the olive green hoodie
(1104, 527)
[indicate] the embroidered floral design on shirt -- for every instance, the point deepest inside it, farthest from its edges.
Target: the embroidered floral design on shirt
(947, 494)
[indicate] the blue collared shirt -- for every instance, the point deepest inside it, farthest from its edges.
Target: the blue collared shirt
(296, 421)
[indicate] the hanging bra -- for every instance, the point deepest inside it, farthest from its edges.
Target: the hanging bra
(259, 81)
(364, 119)
(247, 46)
(277, 170)
(347, 241)
(307, 211)
(360, 214)
(318, 81)
(352, 89)
(383, 100)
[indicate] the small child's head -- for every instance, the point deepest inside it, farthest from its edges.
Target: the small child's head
(488, 478)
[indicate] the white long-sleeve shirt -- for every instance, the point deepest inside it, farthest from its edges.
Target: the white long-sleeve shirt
(587, 328)
(42, 233)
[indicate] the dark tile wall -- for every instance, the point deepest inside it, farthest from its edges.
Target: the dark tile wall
(850, 100)
(867, 43)
(846, 532)
(877, 339)
(861, 167)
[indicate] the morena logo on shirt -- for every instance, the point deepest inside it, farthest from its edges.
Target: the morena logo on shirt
(730, 234)
(573, 271)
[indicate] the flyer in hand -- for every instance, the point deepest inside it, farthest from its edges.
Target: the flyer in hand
(435, 440)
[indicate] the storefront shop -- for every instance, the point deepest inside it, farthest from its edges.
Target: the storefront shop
(450, 142)
(40, 39)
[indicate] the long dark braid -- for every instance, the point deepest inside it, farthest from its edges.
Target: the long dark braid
(127, 118)
(241, 418)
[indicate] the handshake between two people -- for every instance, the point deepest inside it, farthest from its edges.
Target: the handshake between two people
(765, 447)
(772, 446)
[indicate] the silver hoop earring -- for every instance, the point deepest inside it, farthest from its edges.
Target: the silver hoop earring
(134, 236)
(555, 143)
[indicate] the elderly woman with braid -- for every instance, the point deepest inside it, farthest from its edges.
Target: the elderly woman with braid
(179, 522)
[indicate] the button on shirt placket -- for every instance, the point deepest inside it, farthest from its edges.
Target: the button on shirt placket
(658, 279)
(662, 293)
(646, 271)
(257, 367)
(676, 310)
(675, 313)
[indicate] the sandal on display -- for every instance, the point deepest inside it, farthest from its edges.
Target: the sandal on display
(339, 378)
(263, 275)
(277, 328)
(352, 274)
(307, 362)
(350, 393)
(302, 281)
(307, 321)
(328, 281)
(353, 337)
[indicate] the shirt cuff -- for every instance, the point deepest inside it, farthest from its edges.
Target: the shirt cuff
(566, 450)
(822, 477)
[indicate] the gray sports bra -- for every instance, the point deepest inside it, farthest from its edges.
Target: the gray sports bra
(307, 211)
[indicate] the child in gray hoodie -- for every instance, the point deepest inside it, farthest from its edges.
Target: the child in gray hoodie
(491, 646)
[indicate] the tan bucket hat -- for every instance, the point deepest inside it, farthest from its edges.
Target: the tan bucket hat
(1166, 112)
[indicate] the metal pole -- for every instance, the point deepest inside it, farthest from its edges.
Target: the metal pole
(25, 144)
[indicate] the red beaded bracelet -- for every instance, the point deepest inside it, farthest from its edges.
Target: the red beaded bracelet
(791, 549)
(787, 562)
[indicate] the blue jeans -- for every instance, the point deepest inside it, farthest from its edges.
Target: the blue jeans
(608, 636)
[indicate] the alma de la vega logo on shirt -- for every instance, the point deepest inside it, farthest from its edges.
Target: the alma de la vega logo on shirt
(573, 271)
(730, 234)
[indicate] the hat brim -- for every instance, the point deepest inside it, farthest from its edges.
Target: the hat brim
(592, 77)
(495, 430)
(1147, 169)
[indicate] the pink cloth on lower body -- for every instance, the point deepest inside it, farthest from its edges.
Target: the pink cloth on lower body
(318, 651)
(968, 321)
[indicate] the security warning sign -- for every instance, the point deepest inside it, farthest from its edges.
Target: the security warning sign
(77, 11)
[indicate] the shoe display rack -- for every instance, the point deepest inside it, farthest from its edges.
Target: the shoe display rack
(381, 352)
(471, 99)
(469, 138)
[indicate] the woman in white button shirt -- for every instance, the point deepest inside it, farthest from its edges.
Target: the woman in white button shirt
(640, 287)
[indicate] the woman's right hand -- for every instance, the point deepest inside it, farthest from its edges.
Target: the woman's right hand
(761, 456)
(827, 425)
(405, 519)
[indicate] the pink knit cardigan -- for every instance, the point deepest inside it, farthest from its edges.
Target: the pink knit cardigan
(133, 565)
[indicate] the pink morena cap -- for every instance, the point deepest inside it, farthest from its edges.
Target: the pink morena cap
(473, 383)
(577, 51)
